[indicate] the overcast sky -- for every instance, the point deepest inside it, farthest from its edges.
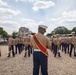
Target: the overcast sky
(31, 13)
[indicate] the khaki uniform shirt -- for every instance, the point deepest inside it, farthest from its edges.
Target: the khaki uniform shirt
(62, 40)
(43, 39)
(55, 41)
(73, 39)
(58, 40)
(26, 41)
(75, 43)
(67, 40)
(51, 40)
(16, 40)
(11, 41)
(20, 41)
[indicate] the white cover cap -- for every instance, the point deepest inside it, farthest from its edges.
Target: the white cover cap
(27, 33)
(73, 33)
(43, 26)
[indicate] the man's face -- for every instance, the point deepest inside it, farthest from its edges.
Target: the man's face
(10, 36)
(73, 34)
(26, 35)
(43, 31)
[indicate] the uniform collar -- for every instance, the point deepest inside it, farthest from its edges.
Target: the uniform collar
(40, 33)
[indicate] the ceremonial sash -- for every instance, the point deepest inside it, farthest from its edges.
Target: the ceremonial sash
(40, 45)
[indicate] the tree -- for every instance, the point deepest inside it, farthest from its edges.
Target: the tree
(3, 33)
(14, 34)
(49, 34)
(74, 29)
(1, 30)
(61, 31)
(32, 33)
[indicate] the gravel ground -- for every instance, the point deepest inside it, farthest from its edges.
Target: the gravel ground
(20, 65)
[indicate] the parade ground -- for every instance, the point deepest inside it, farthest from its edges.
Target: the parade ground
(20, 65)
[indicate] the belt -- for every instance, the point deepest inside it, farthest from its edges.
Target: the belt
(36, 50)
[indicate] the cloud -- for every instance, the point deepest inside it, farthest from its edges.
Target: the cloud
(16, 0)
(69, 14)
(68, 19)
(31, 24)
(9, 26)
(9, 11)
(51, 17)
(3, 3)
(5, 16)
(42, 5)
(27, 0)
(6, 13)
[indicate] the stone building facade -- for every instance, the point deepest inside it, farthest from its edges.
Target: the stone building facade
(59, 28)
(22, 31)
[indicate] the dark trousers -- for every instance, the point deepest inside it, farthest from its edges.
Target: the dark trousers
(71, 48)
(62, 44)
(65, 47)
(52, 47)
(39, 59)
(55, 50)
(26, 47)
(16, 48)
(29, 50)
(19, 48)
(74, 52)
(11, 48)
(68, 47)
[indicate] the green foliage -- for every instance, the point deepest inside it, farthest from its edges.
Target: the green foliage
(49, 34)
(32, 33)
(14, 34)
(62, 31)
(74, 29)
(3, 33)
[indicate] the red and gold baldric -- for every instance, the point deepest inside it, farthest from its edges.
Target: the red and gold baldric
(40, 45)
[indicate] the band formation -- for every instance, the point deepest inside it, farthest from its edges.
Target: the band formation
(65, 44)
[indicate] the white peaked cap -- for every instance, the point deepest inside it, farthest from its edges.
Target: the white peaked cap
(57, 34)
(43, 26)
(27, 33)
(73, 33)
